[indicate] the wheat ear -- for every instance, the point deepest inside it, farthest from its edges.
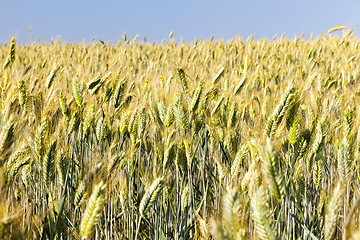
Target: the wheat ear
(51, 76)
(11, 57)
(22, 92)
(236, 166)
(93, 210)
(275, 179)
(182, 81)
(336, 28)
(332, 211)
(119, 92)
(150, 196)
(279, 112)
(76, 91)
(92, 83)
(262, 217)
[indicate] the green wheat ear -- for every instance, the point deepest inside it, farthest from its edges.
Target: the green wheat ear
(344, 153)
(196, 97)
(280, 111)
(94, 82)
(39, 139)
(7, 62)
(61, 166)
(169, 116)
(12, 50)
(17, 160)
(317, 144)
(76, 91)
(261, 215)
(141, 123)
(185, 198)
(230, 208)
(204, 227)
(11, 57)
(218, 105)
(273, 173)
(115, 162)
(168, 154)
(22, 93)
(51, 76)
(63, 106)
(218, 76)
(332, 211)
(79, 193)
(180, 114)
(240, 86)
(26, 70)
(93, 210)
(236, 166)
(48, 163)
(100, 128)
(231, 120)
(7, 136)
(150, 196)
(182, 81)
(119, 92)
(74, 122)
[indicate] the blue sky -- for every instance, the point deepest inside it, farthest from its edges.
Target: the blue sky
(108, 20)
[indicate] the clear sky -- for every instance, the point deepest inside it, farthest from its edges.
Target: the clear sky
(77, 20)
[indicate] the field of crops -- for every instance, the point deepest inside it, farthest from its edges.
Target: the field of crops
(246, 139)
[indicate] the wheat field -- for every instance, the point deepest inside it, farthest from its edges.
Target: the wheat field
(245, 139)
